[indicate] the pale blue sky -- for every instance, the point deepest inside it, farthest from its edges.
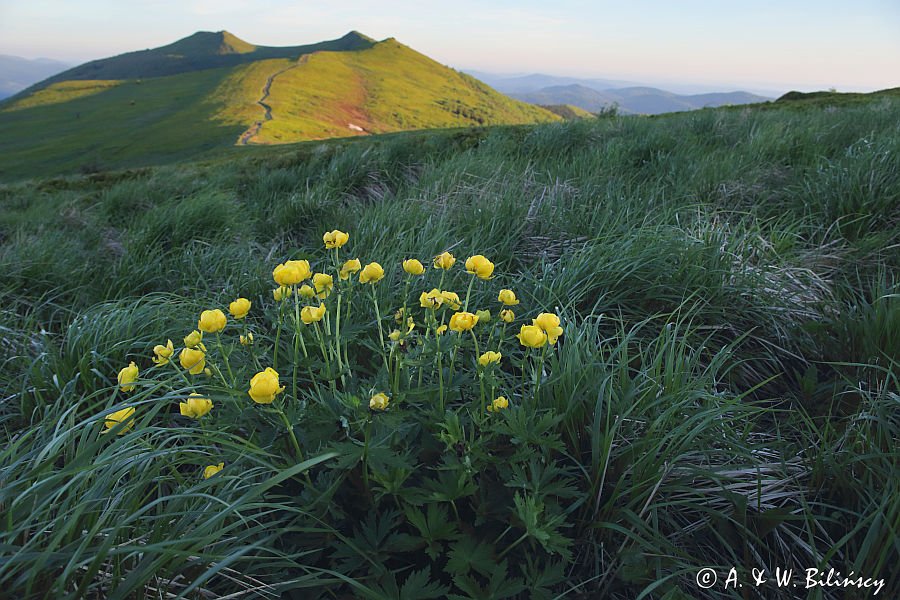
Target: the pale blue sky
(762, 44)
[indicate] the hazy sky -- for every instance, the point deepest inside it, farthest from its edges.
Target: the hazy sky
(761, 44)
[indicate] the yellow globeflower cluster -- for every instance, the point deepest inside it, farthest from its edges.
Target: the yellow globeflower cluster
(127, 377)
(335, 239)
(264, 386)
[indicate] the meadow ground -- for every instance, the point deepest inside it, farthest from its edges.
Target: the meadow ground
(724, 394)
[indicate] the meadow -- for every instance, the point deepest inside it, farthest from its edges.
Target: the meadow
(724, 391)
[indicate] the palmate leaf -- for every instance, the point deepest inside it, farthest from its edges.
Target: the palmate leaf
(375, 539)
(543, 480)
(450, 485)
(433, 526)
(531, 511)
(499, 586)
(418, 586)
(469, 554)
(528, 428)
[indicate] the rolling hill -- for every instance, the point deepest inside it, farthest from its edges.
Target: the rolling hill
(639, 100)
(211, 91)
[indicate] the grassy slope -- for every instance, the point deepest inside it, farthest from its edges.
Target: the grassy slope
(694, 257)
(389, 87)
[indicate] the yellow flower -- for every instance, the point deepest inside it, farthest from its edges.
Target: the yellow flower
(311, 314)
(371, 273)
(480, 266)
(532, 336)
(239, 308)
(549, 324)
(264, 386)
(484, 316)
(128, 376)
(120, 416)
(379, 401)
(498, 404)
(193, 339)
(398, 316)
(463, 321)
(394, 335)
(507, 316)
(247, 340)
(291, 272)
(349, 268)
(324, 284)
(282, 292)
(335, 239)
(508, 297)
(306, 291)
(432, 299)
(451, 299)
(211, 321)
(193, 360)
(195, 407)
(212, 470)
(441, 330)
(163, 353)
(489, 357)
(444, 261)
(413, 266)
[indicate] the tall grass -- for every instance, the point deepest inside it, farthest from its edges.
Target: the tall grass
(726, 392)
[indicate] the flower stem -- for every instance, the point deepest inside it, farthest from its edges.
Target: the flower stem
(225, 357)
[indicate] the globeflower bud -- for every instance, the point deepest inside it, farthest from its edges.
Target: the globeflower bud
(193, 360)
(323, 283)
(349, 268)
(498, 404)
(507, 316)
(247, 340)
(193, 339)
(281, 292)
(484, 316)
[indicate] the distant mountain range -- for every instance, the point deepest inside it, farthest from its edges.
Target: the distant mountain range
(17, 73)
(596, 95)
(212, 90)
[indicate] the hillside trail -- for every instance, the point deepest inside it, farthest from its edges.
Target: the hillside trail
(254, 129)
